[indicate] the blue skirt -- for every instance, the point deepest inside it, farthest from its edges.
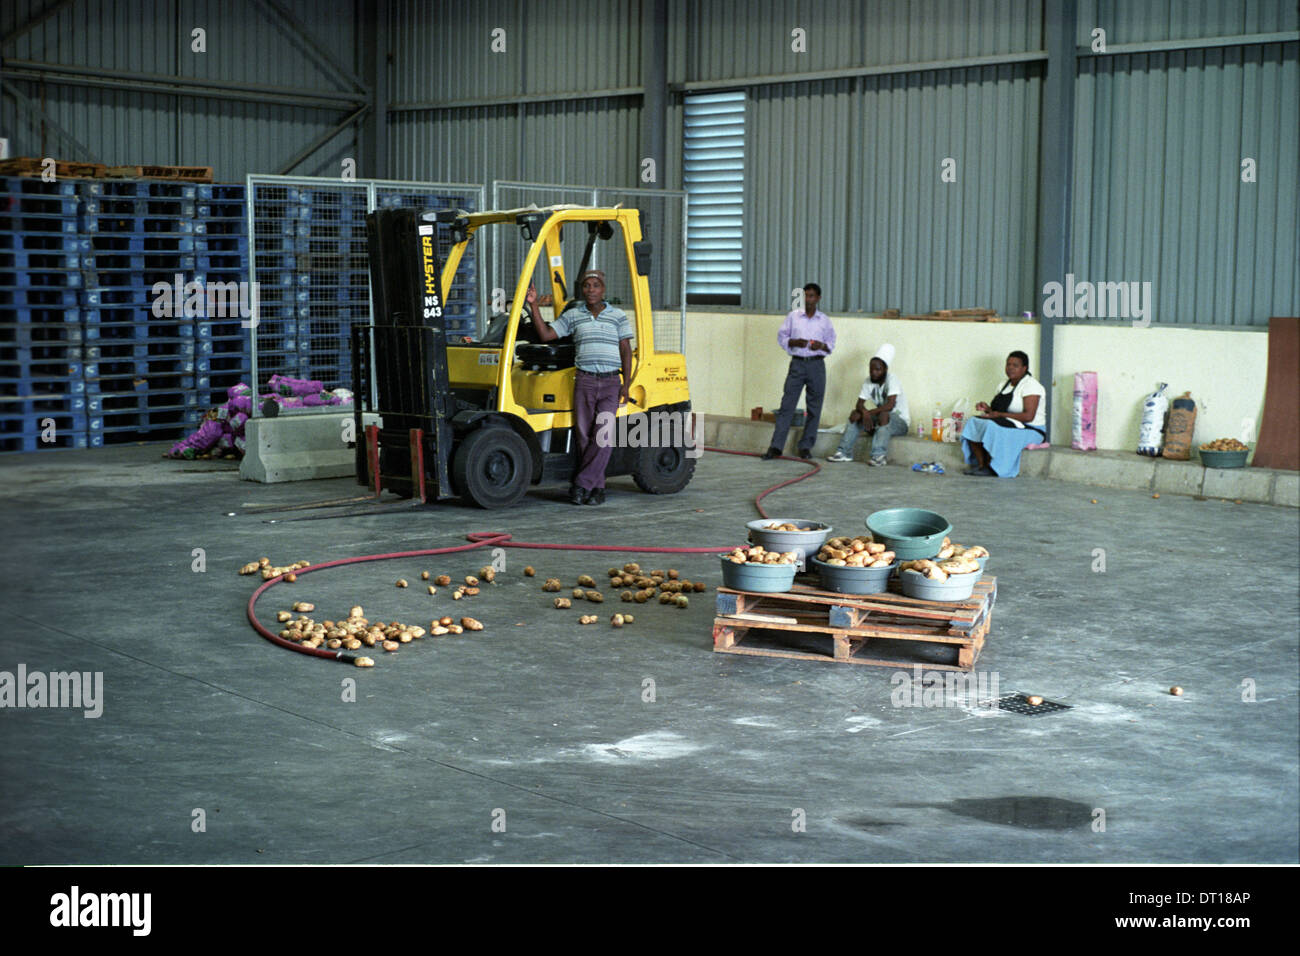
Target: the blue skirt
(1004, 445)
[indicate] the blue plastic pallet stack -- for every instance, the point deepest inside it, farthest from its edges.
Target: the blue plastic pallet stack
(221, 249)
(43, 402)
(163, 348)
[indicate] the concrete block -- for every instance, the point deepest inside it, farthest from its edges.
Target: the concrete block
(1248, 484)
(1034, 462)
(1178, 477)
(299, 447)
(709, 429)
(1286, 489)
(736, 434)
(1110, 470)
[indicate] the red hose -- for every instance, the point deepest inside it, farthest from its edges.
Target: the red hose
(488, 539)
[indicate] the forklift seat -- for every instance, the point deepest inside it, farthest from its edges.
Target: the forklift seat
(547, 356)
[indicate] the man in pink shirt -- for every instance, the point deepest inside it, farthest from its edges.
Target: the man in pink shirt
(807, 334)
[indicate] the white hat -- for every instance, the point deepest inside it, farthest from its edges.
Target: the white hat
(886, 354)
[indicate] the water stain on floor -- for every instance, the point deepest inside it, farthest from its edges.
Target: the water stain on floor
(1025, 812)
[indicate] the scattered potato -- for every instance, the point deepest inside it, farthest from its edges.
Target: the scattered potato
(333, 643)
(442, 580)
(457, 594)
(364, 662)
(1176, 690)
(627, 596)
(552, 584)
(445, 621)
(432, 589)
(424, 575)
(356, 611)
(251, 568)
(632, 568)
(470, 592)
(283, 616)
(302, 607)
(455, 629)
(588, 619)
(628, 619)
(563, 603)
(401, 582)
(682, 600)
(586, 581)
(1034, 701)
(391, 646)
(595, 597)
(471, 624)
(530, 571)
(616, 620)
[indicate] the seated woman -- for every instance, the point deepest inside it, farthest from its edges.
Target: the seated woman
(994, 439)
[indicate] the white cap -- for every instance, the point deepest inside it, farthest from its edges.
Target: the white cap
(885, 353)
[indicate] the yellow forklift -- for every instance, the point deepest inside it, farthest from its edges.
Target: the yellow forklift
(485, 419)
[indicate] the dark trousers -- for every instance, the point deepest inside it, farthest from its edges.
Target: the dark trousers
(804, 373)
(591, 396)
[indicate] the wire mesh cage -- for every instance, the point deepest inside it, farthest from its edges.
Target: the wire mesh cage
(308, 257)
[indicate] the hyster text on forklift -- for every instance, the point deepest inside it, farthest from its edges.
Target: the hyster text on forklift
(486, 419)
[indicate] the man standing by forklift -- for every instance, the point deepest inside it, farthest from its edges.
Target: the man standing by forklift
(602, 337)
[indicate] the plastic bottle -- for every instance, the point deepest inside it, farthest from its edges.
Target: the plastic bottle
(920, 429)
(936, 423)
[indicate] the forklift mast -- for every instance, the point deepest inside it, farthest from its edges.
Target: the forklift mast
(407, 348)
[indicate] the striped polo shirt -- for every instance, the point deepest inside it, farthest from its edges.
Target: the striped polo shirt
(596, 337)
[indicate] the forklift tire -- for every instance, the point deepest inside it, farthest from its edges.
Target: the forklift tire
(492, 467)
(663, 471)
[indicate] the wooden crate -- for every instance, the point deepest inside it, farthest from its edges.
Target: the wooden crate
(858, 629)
(189, 174)
(63, 169)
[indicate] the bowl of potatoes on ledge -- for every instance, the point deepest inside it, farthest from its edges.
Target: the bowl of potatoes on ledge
(854, 565)
(1224, 453)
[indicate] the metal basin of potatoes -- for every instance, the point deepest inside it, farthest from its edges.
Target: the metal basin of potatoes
(768, 578)
(803, 543)
(1223, 459)
(958, 587)
(844, 579)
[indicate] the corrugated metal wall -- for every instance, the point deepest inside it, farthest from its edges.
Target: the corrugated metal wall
(845, 189)
(245, 44)
(562, 47)
(735, 39)
(1160, 139)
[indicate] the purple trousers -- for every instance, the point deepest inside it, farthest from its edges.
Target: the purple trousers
(591, 396)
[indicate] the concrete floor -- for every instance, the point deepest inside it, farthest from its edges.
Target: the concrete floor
(543, 727)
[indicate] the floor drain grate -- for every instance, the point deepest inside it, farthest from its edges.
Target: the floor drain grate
(1019, 704)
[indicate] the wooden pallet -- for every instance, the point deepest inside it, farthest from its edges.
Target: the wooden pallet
(189, 174)
(861, 629)
(63, 169)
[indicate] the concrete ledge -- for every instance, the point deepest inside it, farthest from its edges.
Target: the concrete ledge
(1104, 468)
(1109, 469)
(299, 447)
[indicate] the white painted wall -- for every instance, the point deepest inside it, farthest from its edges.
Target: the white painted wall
(735, 364)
